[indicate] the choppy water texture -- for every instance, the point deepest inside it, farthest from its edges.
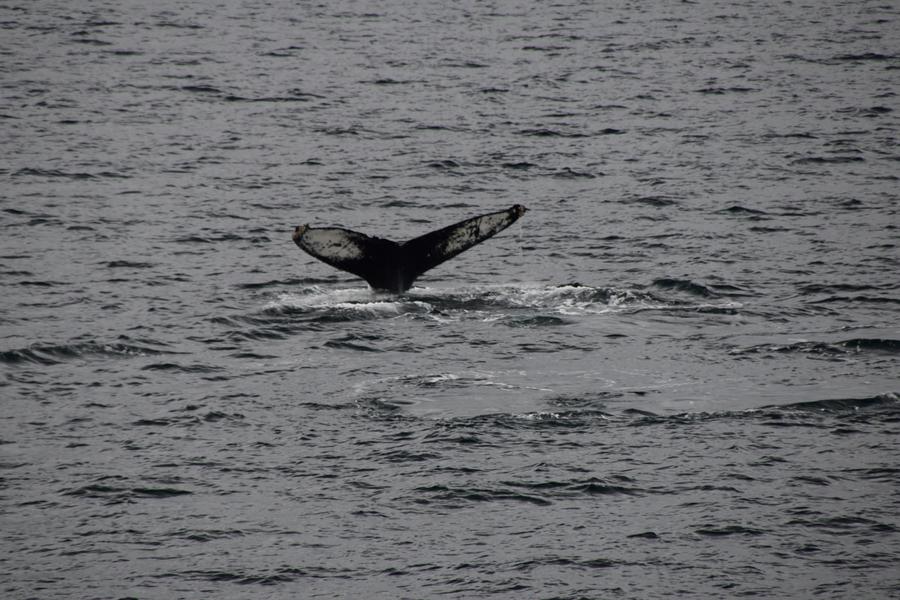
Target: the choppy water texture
(676, 376)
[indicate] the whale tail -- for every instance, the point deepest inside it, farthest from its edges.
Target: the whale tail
(392, 266)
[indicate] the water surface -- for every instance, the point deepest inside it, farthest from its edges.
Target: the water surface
(676, 375)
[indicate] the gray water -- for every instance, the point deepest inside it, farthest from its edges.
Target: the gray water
(676, 376)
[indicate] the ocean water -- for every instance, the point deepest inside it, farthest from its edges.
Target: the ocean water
(675, 376)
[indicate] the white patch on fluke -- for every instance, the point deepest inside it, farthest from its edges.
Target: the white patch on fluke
(478, 230)
(333, 243)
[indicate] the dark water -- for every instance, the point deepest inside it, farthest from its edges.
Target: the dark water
(676, 376)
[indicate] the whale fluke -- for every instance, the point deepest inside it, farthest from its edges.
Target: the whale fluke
(392, 266)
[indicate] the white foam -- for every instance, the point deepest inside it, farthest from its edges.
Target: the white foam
(351, 299)
(567, 300)
(486, 303)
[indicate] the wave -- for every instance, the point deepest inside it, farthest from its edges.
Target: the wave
(114, 494)
(291, 96)
(56, 173)
(52, 354)
(657, 201)
(890, 401)
(840, 348)
(126, 264)
(832, 288)
(843, 58)
(569, 414)
(570, 173)
(289, 282)
(866, 56)
(541, 493)
(693, 288)
(685, 285)
(737, 209)
(827, 160)
(278, 575)
(178, 368)
(719, 91)
(858, 299)
(189, 419)
(547, 132)
(821, 413)
(224, 237)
